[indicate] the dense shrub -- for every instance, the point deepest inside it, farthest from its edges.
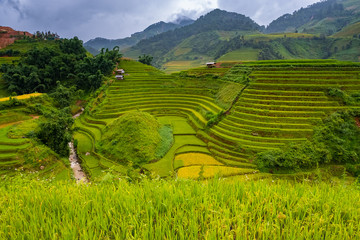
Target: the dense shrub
(55, 131)
(215, 119)
(335, 141)
(343, 97)
(133, 139)
(10, 53)
(63, 96)
(239, 74)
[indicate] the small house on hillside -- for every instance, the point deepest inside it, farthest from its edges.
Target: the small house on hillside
(120, 74)
(119, 77)
(120, 71)
(210, 64)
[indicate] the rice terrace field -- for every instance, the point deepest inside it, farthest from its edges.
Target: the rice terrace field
(247, 150)
(283, 103)
(203, 125)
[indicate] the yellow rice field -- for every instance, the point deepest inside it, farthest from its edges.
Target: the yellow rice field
(193, 172)
(189, 172)
(224, 171)
(190, 159)
(25, 96)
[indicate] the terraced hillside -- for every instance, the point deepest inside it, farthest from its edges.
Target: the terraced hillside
(282, 103)
(18, 152)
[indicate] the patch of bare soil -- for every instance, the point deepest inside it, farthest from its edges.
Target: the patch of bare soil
(357, 121)
(9, 35)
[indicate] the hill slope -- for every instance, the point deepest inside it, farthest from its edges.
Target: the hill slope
(325, 17)
(220, 126)
(203, 30)
(9, 35)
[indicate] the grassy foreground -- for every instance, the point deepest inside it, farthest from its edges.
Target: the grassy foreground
(159, 209)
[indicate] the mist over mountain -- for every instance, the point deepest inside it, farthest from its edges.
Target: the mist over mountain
(95, 45)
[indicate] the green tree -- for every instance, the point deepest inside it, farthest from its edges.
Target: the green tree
(55, 131)
(63, 96)
(145, 59)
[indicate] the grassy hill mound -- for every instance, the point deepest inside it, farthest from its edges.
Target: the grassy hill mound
(133, 137)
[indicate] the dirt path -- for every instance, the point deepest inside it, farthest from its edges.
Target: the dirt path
(79, 113)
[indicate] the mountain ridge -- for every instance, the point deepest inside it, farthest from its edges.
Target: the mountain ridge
(324, 17)
(94, 45)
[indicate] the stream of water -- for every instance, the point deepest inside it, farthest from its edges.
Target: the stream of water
(79, 174)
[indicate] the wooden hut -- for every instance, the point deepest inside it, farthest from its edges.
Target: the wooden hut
(120, 71)
(119, 77)
(210, 64)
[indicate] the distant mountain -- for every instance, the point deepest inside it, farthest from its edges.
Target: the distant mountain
(197, 38)
(222, 35)
(325, 17)
(95, 45)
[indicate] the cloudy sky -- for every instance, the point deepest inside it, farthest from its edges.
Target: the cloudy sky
(120, 18)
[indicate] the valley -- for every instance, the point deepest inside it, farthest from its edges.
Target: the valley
(213, 128)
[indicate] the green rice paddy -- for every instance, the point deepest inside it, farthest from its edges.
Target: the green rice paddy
(283, 103)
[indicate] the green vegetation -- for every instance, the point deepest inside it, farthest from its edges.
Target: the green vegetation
(315, 18)
(228, 94)
(54, 131)
(9, 53)
(343, 97)
(23, 46)
(315, 32)
(94, 45)
(177, 66)
(158, 209)
(145, 59)
(8, 60)
(134, 137)
(41, 69)
(137, 138)
(216, 20)
(232, 114)
(338, 130)
(166, 136)
(245, 54)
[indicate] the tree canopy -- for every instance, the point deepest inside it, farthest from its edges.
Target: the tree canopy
(67, 62)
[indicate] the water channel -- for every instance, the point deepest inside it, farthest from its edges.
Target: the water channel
(79, 174)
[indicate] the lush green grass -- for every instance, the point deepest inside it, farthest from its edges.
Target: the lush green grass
(134, 137)
(85, 143)
(179, 124)
(228, 93)
(23, 46)
(244, 54)
(277, 103)
(177, 66)
(179, 209)
(282, 103)
(8, 60)
(3, 88)
(164, 167)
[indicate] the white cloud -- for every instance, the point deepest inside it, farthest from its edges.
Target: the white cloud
(120, 18)
(264, 11)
